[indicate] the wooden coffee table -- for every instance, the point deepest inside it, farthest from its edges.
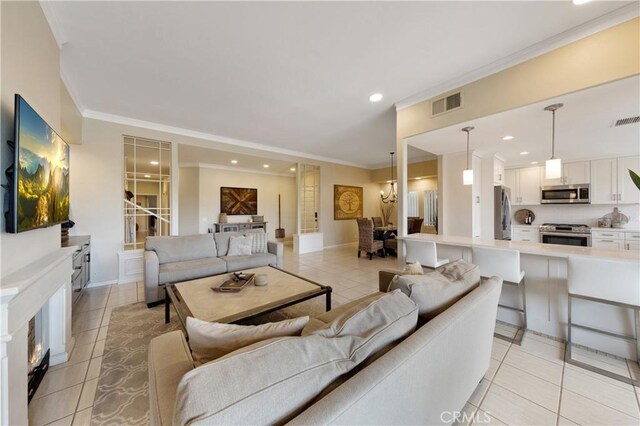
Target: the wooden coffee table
(195, 298)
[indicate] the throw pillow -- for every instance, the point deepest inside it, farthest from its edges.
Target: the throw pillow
(413, 269)
(240, 246)
(211, 340)
(259, 244)
(458, 269)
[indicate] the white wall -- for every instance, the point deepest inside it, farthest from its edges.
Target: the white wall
(268, 186)
(31, 67)
(486, 198)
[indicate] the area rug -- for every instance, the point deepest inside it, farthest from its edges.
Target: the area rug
(122, 394)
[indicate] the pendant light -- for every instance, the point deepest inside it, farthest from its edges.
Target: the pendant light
(553, 166)
(392, 196)
(467, 175)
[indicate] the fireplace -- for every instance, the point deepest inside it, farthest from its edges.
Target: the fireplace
(37, 351)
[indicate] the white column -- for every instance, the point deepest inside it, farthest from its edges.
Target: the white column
(401, 165)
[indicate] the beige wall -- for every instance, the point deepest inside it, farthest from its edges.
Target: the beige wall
(30, 66)
(268, 186)
(414, 170)
(606, 56)
(71, 119)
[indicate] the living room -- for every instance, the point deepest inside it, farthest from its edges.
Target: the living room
(259, 126)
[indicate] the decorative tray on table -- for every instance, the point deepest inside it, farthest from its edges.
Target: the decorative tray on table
(236, 282)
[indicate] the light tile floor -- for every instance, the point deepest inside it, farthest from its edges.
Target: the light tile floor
(525, 385)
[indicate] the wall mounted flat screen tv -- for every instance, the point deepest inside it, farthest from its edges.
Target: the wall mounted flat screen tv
(40, 184)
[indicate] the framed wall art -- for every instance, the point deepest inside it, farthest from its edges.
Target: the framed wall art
(347, 202)
(238, 201)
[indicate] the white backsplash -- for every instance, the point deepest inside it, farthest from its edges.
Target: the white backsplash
(583, 214)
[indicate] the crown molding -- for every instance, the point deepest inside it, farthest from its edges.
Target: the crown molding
(236, 169)
(112, 118)
(594, 26)
(59, 34)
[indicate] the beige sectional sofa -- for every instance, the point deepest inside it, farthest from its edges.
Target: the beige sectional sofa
(182, 258)
(433, 371)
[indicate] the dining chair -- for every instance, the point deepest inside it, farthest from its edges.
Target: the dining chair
(377, 221)
(366, 242)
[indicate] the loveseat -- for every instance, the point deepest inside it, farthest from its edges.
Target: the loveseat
(418, 380)
(183, 258)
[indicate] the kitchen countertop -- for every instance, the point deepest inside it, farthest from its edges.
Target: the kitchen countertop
(634, 227)
(539, 249)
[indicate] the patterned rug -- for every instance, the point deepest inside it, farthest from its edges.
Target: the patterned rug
(122, 395)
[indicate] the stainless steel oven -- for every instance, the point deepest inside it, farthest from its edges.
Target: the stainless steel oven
(568, 235)
(565, 194)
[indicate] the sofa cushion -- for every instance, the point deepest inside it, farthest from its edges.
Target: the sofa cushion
(460, 270)
(238, 263)
(293, 370)
(349, 308)
(222, 241)
(177, 249)
(259, 243)
(435, 292)
(240, 245)
(413, 269)
(190, 270)
(211, 340)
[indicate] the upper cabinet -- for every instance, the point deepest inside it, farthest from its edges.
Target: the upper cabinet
(628, 193)
(524, 184)
(611, 183)
(572, 173)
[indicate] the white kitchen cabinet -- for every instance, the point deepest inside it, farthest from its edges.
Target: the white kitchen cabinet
(572, 173)
(628, 193)
(604, 181)
(632, 241)
(611, 183)
(525, 185)
(606, 244)
(525, 234)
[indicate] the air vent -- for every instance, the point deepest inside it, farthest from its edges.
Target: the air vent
(623, 121)
(446, 104)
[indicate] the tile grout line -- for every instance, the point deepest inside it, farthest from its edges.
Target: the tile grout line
(633, 388)
(492, 379)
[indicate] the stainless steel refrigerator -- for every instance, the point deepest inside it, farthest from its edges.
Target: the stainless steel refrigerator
(502, 213)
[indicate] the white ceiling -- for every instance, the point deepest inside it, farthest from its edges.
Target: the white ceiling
(291, 75)
(583, 128)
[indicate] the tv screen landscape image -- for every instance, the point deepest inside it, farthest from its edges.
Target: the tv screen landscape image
(42, 171)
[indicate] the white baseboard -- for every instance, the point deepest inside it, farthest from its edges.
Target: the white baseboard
(340, 245)
(131, 279)
(101, 283)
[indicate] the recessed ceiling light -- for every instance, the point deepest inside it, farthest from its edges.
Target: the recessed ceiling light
(153, 163)
(534, 162)
(418, 178)
(524, 152)
(234, 161)
(147, 176)
(266, 166)
(376, 97)
(579, 2)
(507, 138)
(293, 169)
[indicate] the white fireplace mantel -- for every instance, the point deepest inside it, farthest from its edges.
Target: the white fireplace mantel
(47, 281)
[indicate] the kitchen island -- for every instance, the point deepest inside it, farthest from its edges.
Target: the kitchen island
(545, 267)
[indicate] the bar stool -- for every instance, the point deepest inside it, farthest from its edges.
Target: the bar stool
(503, 263)
(611, 282)
(424, 252)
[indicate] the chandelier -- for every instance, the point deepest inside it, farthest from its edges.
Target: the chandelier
(392, 196)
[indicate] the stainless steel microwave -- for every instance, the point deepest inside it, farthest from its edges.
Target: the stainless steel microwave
(565, 194)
